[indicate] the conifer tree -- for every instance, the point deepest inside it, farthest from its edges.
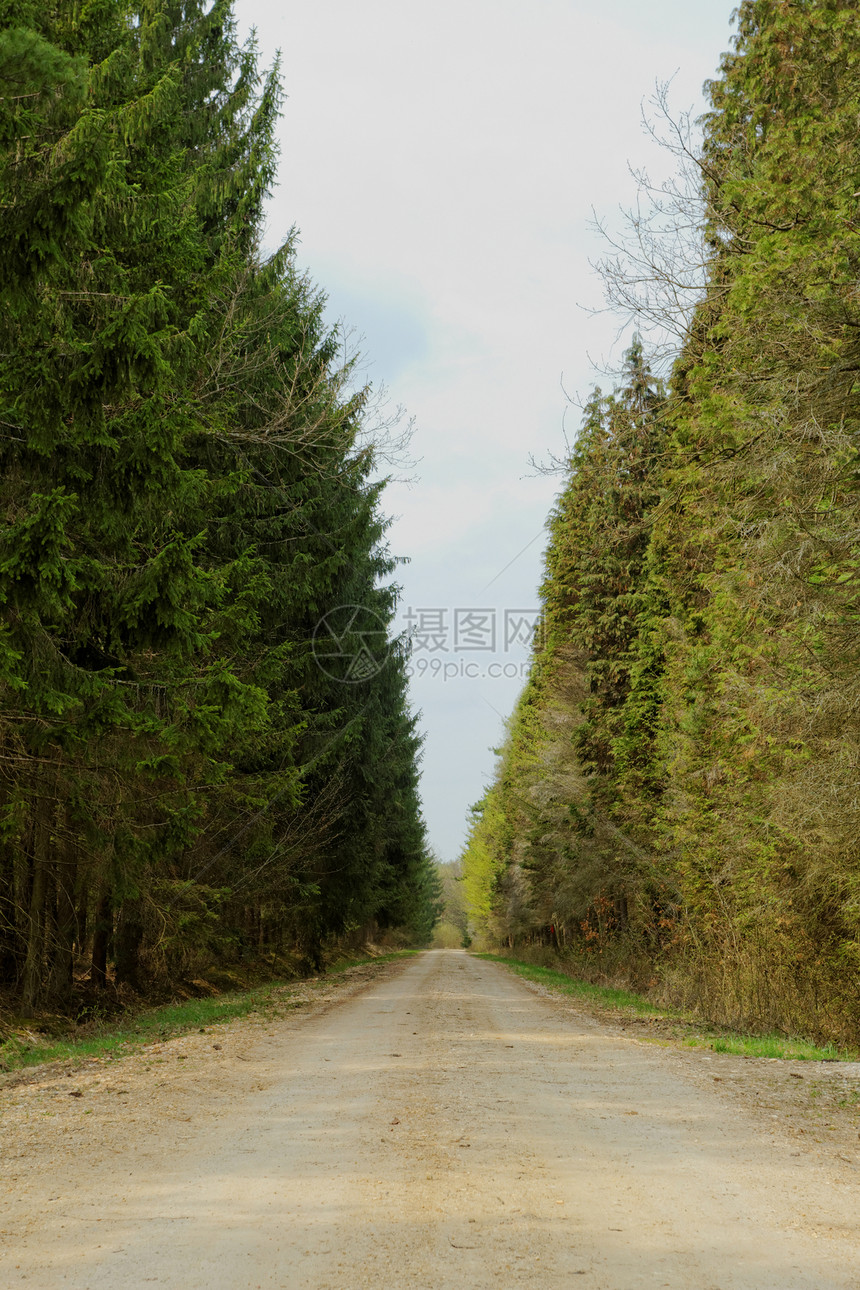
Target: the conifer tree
(559, 786)
(715, 620)
(766, 407)
(186, 497)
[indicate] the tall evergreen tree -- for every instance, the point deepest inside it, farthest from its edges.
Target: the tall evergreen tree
(185, 497)
(718, 644)
(559, 784)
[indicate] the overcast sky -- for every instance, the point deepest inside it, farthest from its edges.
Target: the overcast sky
(441, 163)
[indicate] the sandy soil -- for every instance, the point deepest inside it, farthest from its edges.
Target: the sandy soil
(440, 1125)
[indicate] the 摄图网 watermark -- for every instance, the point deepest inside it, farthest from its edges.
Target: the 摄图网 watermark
(352, 644)
(468, 631)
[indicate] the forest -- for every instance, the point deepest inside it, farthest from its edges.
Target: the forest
(676, 802)
(207, 749)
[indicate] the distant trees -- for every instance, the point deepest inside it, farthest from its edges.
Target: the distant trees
(695, 707)
(186, 493)
(545, 842)
(452, 929)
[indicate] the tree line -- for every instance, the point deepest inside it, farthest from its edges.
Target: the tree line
(207, 750)
(676, 802)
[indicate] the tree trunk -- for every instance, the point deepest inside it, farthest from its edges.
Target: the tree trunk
(44, 800)
(62, 953)
(102, 929)
(127, 942)
(33, 983)
(23, 891)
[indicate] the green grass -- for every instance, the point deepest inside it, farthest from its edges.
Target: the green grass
(598, 994)
(776, 1046)
(114, 1038)
(683, 1026)
(31, 1049)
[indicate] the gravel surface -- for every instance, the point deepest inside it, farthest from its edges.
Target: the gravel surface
(433, 1123)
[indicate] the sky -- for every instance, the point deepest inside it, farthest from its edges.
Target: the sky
(443, 165)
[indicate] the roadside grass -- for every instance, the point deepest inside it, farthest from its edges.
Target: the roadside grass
(601, 995)
(775, 1046)
(691, 1031)
(115, 1037)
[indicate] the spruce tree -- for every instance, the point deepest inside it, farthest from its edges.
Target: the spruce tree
(186, 497)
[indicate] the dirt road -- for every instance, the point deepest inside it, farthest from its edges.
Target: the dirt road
(446, 1126)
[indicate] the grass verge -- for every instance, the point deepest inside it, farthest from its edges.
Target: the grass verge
(623, 1004)
(115, 1037)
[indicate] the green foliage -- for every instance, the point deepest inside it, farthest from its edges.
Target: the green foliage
(187, 491)
(696, 703)
(452, 930)
(554, 840)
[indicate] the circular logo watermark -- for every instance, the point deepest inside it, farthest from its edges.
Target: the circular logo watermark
(351, 644)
